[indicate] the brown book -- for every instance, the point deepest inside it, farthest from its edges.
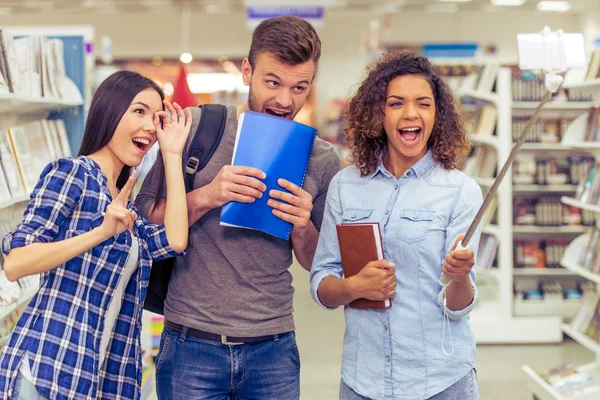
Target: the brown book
(360, 243)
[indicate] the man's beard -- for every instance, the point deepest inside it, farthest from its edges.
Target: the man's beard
(252, 103)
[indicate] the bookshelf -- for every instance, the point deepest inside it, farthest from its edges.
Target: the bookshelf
(19, 104)
(512, 315)
(570, 261)
(543, 391)
(486, 140)
(18, 109)
(477, 95)
(580, 204)
(554, 105)
(591, 86)
(497, 319)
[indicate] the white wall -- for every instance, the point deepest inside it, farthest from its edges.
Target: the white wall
(343, 62)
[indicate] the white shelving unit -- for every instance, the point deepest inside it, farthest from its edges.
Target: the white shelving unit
(573, 140)
(16, 110)
(514, 320)
(495, 321)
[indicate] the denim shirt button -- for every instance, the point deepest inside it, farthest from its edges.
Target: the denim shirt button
(385, 328)
(395, 187)
(387, 358)
(387, 212)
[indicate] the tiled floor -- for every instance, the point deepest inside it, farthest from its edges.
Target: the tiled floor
(320, 334)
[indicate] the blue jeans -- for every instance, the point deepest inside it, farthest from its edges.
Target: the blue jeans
(25, 390)
(467, 388)
(189, 368)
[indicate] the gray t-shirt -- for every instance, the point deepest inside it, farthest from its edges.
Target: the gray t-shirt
(234, 281)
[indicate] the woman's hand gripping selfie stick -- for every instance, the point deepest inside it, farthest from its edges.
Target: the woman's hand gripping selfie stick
(552, 82)
(463, 244)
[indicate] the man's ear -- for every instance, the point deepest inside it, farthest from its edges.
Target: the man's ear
(246, 72)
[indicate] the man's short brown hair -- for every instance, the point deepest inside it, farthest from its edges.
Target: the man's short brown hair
(291, 39)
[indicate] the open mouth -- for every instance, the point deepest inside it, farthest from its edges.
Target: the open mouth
(278, 113)
(141, 143)
(410, 135)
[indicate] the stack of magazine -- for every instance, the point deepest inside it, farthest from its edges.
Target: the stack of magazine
(24, 152)
(34, 67)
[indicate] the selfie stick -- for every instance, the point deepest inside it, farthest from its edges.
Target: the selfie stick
(552, 82)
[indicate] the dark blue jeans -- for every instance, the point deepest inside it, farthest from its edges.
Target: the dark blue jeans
(189, 368)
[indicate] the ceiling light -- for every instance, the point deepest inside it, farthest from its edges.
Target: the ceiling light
(560, 6)
(511, 3)
(186, 58)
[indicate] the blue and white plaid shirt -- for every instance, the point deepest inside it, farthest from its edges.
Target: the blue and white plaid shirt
(62, 326)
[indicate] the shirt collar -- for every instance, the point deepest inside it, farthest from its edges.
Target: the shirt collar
(419, 168)
(94, 167)
(424, 164)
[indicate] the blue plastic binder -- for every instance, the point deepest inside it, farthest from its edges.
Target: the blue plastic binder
(281, 149)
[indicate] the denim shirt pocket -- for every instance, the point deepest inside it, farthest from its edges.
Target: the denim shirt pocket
(356, 214)
(413, 225)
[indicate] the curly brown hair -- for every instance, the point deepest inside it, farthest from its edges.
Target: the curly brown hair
(365, 113)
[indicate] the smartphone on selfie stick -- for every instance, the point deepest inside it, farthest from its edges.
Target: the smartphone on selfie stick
(553, 53)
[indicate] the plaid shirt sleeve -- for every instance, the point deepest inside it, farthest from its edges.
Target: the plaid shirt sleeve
(52, 201)
(156, 238)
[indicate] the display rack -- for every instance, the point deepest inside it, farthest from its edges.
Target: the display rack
(538, 386)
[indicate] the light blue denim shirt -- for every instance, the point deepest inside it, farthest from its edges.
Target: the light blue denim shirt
(397, 353)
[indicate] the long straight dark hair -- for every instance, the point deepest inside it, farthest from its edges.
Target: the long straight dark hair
(113, 97)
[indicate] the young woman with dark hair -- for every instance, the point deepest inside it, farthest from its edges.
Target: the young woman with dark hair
(79, 337)
(407, 137)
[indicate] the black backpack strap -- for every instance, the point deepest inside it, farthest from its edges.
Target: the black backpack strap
(205, 141)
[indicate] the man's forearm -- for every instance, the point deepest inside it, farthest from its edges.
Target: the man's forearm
(459, 295)
(196, 206)
(304, 243)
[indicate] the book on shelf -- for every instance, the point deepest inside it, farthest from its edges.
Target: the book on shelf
(546, 211)
(541, 170)
(26, 149)
(528, 86)
(9, 166)
(488, 248)
(592, 128)
(31, 152)
(571, 383)
(34, 66)
(4, 190)
(593, 70)
(482, 162)
(539, 253)
(459, 77)
(487, 78)
(545, 130)
(590, 258)
(588, 190)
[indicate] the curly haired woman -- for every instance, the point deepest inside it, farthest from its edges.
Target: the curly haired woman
(407, 138)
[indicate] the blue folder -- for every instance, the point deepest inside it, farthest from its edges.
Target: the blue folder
(281, 149)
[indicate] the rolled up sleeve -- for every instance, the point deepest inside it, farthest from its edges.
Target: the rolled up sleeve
(458, 314)
(327, 260)
(53, 201)
(464, 211)
(158, 244)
